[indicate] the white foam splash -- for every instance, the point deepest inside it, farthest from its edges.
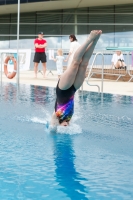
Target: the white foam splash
(32, 119)
(38, 120)
(71, 129)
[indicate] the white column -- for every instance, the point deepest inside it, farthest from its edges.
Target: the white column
(18, 21)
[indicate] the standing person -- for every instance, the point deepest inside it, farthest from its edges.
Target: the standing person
(118, 60)
(59, 62)
(40, 45)
(71, 80)
(73, 48)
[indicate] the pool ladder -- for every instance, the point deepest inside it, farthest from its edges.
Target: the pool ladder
(98, 53)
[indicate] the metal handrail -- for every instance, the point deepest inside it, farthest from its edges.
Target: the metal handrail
(128, 69)
(98, 53)
(1, 76)
(119, 74)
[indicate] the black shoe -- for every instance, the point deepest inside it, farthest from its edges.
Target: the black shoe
(125, 68)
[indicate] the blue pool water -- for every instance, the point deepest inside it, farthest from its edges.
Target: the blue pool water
(92, 159)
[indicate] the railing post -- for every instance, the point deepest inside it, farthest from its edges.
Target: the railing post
(1, 76)
(18, 21)
(102, 72)
(99, 53)
(128, 68)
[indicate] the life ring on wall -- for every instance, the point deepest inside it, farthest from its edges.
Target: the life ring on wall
(12, 74)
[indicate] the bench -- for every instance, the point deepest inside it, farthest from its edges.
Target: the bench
(108, 73)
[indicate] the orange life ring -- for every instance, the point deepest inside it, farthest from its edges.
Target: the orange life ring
(12, 74)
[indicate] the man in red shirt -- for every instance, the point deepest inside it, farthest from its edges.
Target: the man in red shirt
(40, 45)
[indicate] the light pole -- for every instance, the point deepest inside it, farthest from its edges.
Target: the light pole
(18, 21)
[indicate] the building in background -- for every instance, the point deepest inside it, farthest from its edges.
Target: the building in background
(58, 19)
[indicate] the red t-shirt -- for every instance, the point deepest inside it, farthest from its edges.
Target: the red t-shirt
(38, 41)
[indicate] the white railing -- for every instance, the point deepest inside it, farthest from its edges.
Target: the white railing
(109, 69)
(102, 71)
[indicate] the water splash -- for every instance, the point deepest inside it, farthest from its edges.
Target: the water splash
(72, 129)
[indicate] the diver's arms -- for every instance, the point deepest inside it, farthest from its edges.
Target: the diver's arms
(54, 123)
(54, 120)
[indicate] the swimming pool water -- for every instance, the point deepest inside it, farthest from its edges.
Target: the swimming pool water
(92, 159)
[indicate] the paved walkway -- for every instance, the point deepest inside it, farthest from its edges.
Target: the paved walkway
(113, 87)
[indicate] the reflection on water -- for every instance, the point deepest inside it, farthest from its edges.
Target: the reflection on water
(10, 92)
(66, 175)
(92, 159)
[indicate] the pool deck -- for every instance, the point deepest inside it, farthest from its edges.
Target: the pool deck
(109, 86)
